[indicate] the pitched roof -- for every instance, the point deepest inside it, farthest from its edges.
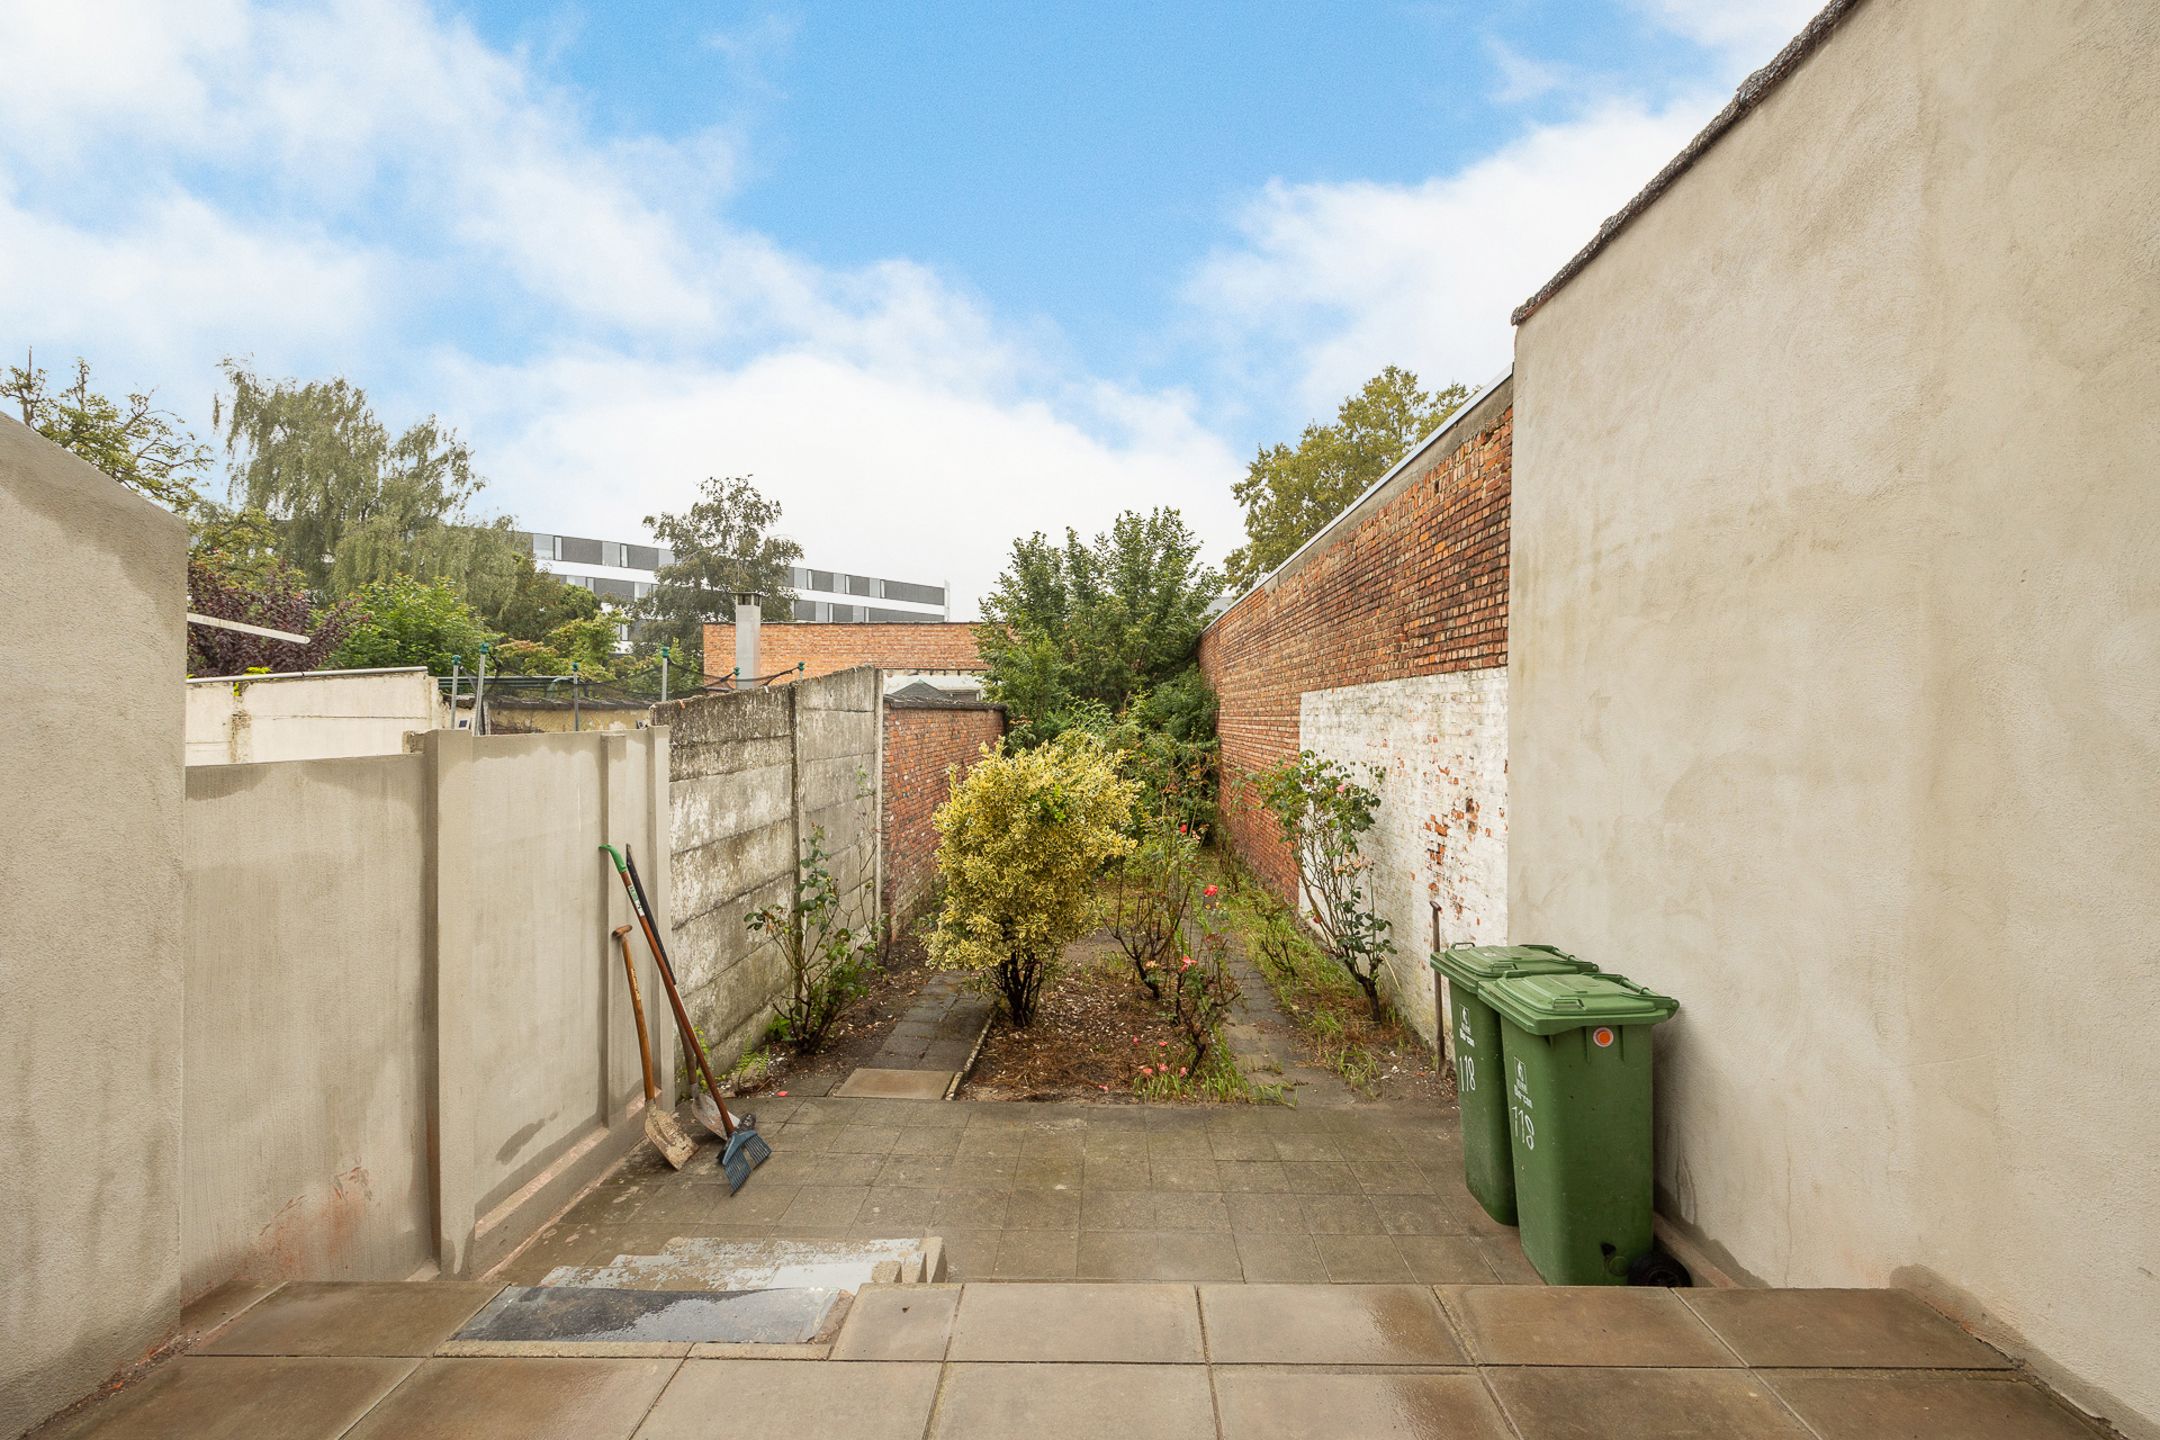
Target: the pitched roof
(1750, 94)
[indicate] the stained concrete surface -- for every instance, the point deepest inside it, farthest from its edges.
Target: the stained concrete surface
(580, 1313)
(323, 1318)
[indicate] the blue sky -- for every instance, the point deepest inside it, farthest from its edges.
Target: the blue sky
(935, 274)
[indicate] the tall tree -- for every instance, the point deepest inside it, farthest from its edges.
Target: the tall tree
(723, 545)
(354, 506)
(1290, 492)
(139, 445)
(1095, 622)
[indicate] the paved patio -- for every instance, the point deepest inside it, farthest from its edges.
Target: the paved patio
(1019, 1191)
(1241, 1362)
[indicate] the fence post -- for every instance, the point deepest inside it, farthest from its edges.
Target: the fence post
(450, 941)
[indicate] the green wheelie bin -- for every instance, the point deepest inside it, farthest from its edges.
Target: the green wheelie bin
(1488, 1170)
(1577, 1055)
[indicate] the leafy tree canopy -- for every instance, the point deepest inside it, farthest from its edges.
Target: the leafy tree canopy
(411, 622)
(1097, 621)
(274, 597)
(353, 505)
(723, 545)
(1290, 492)
(141, 446)
(538, 603)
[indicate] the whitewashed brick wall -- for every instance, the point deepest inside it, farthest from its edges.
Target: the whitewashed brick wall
(1442, 831)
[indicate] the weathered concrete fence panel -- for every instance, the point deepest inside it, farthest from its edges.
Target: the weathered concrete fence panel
(754, 773)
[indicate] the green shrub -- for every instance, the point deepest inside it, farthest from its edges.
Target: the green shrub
(1022, 843)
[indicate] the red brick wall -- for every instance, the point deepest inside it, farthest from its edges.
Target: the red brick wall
(922, 744)
(1414, 583)
(826, 648)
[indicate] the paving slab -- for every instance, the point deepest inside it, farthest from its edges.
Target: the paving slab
(1037, 1255)
(875, 1083)
(1298, 1405)
(1871, 1329)
(1591, 1404)
(1444, 1259)
(361, 1318)
(1928, 1405)
(519, 1400)
(1362, 1259)
(1143, 1255)
(898, 1322)
(1131, 1402)
(1081, 1323)
(1326, 1325)
(241, 1398)
(1582, 1325)
(1279, 1258)
(710, 1399)
(584, 1313)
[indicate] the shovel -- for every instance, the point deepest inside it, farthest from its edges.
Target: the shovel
(661, 1127)
(745, 1149)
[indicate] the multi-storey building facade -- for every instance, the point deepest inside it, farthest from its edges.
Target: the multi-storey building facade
(621, 571)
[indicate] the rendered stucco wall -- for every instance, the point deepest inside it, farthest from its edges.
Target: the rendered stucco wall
(235, 720)
(90, 996)
(1835, 670)
(408, 1033)
(1441, 834)
(310, 1033)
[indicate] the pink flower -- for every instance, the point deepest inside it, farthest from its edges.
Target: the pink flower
(1102, 1087)
(1136, 1039)
(780, 1092)
(1185, 964)
(1147, 1069)
(1181, 829)
(1181, 1069)
(1165, 1044)
(1209, 892)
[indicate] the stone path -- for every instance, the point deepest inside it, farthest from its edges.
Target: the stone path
(1073, 1190)
(927, 1047)
(1176, 1361)
(1267, 1047)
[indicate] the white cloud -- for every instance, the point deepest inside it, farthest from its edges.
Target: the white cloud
(1341, 279)
(368, 186)
(877, 469)
(1747, 32)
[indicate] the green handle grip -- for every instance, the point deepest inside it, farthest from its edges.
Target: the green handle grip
(616, 855)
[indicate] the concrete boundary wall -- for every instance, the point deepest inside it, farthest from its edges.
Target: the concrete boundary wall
(753, 774)
(408, 1032)
(90, 988)
(241, 719)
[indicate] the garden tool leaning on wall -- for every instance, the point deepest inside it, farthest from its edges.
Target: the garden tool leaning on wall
(661, 1126)
(744, 1149)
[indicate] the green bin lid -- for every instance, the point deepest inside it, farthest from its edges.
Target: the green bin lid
(1470, 966)
(1550, 1004)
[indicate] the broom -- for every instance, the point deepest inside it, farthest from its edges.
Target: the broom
(745, 1149)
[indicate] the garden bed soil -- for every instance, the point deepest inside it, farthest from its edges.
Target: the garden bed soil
(855, 1037)
(1094, 1028)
